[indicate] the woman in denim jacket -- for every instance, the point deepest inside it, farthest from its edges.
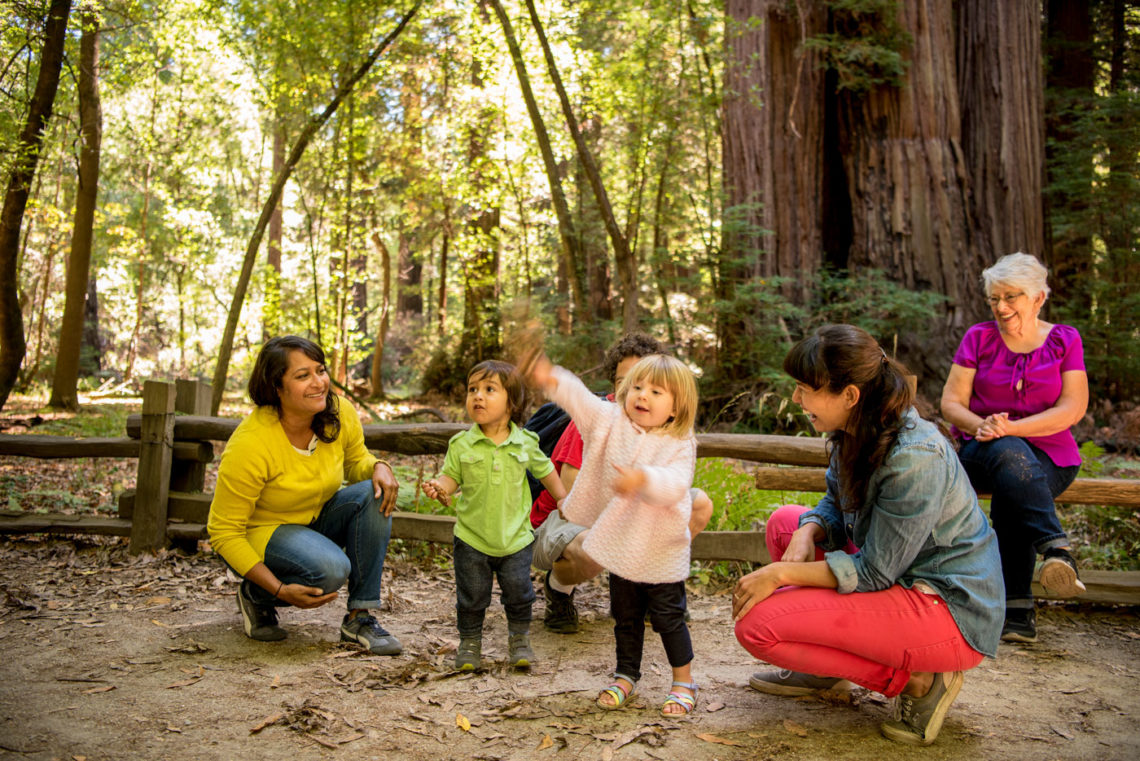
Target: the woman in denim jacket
(893, 581)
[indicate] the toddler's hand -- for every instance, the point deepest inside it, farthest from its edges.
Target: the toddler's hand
(432, 490)
(629, 480)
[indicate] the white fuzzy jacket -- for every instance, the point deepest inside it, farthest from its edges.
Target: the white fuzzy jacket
(644, 537)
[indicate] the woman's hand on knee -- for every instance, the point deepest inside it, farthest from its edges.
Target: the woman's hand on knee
(751, 589)
(801, 547)
(301, 596)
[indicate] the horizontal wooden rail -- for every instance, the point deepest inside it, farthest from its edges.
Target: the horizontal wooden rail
(1111, 587)
(1083, 491)
(49, 447)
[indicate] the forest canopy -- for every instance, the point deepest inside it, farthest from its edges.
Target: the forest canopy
(724, 174)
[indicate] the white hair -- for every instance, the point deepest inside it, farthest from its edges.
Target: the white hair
(1018, 271)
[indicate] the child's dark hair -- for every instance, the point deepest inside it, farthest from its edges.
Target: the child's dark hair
(269, 372)
(630, 345)
(512, 384)
(838, 356)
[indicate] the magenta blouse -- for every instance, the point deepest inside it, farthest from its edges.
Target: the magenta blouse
(1022, 384)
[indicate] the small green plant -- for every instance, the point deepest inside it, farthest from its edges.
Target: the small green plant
(737, 504)
(1091, 463)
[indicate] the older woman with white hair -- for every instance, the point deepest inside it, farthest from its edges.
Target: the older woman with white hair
(1017, 385)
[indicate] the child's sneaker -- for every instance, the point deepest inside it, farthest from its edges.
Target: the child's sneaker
(469, 656)
(519, 653)
(1020, 625)
(561, 616)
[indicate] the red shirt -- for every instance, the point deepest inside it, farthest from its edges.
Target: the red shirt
(568, 450)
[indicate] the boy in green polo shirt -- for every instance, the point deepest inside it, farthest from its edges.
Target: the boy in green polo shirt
(493, 536)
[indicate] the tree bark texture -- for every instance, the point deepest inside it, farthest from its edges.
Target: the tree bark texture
(298, 150)
(1001, 89)
(12, 341)
(382, 328)
(773, 157)
(907, 176)
(65, 381)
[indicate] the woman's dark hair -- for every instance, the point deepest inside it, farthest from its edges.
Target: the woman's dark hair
(512, 384)
(838, 356)
(630, 345)
(269, 372)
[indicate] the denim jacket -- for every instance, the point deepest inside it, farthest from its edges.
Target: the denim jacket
(920, 523)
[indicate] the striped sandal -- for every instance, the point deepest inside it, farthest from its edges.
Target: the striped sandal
(619, 694)
(687, 702)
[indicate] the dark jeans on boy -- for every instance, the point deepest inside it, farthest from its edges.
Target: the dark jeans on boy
(665, 603)
(473, 574)
(1023, 482)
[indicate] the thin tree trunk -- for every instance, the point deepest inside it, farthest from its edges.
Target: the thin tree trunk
(271, 312)
(441, 305)
(12, 343)
(623, 256)
(571, 243)
(91, 352)
(64, 384)
(224, 351)
(382, 329)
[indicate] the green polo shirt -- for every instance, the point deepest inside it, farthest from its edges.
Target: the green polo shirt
(493, 506)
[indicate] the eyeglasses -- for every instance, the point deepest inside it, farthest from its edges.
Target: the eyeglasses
(1010, 299)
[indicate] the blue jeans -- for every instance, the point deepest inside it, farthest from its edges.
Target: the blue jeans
(1023, 482)
(312, 554)
(473, 575)
(665, 603)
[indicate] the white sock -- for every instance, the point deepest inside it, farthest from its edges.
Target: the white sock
(558, 586)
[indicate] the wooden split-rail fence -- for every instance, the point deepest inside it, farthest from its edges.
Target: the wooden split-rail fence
(173, 441)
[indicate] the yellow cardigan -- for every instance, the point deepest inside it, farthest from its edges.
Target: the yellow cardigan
(263, 482)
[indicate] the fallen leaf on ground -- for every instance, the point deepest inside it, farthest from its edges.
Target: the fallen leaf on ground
(718, 740)
(546, 743)
(93, 690)
(714, 707)
(799, 730)
(276, 682)
(185, 683)
(160, 600)
(462, 722)
(156, 622)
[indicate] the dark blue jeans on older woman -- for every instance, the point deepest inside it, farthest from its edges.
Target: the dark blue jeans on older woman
(1023, 482)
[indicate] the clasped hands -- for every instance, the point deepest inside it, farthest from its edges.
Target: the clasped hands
(994, 427)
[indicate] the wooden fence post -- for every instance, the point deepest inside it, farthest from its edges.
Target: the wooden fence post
(156, 449)
(191, 398)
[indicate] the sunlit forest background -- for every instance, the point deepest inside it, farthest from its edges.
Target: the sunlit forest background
(401, 180)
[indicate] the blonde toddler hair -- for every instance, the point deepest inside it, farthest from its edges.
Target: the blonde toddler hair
(670, 372)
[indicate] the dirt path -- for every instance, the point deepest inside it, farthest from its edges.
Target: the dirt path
(109, 658)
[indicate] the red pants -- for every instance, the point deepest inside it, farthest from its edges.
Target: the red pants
(874, 639)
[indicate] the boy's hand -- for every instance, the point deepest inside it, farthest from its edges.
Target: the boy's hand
(629, 480)
(432, 490)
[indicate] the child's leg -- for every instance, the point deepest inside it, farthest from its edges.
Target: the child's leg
(472, 588)
(516, 589)
(667, 604)
(628, 604)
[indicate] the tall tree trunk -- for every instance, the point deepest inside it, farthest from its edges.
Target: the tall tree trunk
(224, 351)
(1069, 78)
(908, 181)
(91, 352)
(774, 108)
(569, 237)
(382, 328)
(1001, 90)
(64, 384)
(623, 256)
(271, 312)
(12, 342)
(441, 300)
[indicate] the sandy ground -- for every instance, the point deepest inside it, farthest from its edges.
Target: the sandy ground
(109, 657)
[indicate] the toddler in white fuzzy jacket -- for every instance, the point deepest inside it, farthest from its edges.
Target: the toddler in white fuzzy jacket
(633, 492)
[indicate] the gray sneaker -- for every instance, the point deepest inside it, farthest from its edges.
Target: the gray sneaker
(469, 655)
(519, 653)
(918, 720)
(794, 683)
(259, 622)
(367, 631)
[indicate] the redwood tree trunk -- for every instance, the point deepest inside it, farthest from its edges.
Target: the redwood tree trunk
(64, 384)
(773, 160)
(1001, 89)
(12, 342)
(908, 181)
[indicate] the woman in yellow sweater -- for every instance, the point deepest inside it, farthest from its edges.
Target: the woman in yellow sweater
(280, 517)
